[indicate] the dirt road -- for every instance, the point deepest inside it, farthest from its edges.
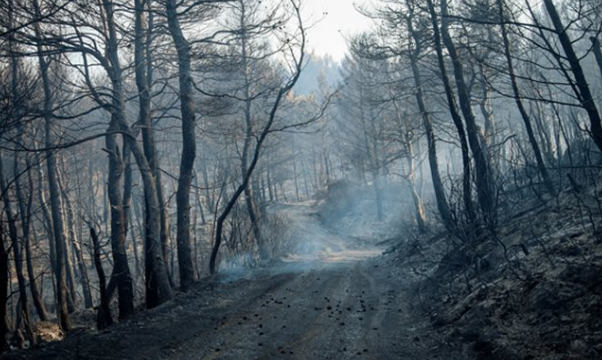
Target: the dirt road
(341, 303)
(330, 311)
(323, 310)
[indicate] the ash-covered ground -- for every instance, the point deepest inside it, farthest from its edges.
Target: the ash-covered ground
(350, 286)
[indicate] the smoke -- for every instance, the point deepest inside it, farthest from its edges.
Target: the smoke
(340, 228)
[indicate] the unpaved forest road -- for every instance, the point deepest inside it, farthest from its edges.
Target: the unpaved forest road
(343, 304)
(331, 311)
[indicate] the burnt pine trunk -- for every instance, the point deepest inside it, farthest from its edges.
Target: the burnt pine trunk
(103, 317)
(25, 207)
(53, 187)
(375, 168)
(427, 122)
(23, 308)
(144, 118)
(78, 255)
(183, 239)
(248, 193)
(45, 209)
(59, 238)
(121, 270)
(3, 289)
(72, 299)
(254, 157)
(519, 103)
(484, 175)
(158, 289)
(597, 52)
(75, 267)
(420, 211)
(144, 71)
(419, 205)
(584, 93)
(457, 120)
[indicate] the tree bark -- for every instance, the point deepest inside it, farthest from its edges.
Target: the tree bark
(158, 289)
(597, 52)
(418, 204)
(183, 240)
(79, 259)
(26, 211)
(451, 103)
(255, 155)
(427, 122)
(519, 103)
(248, 193)
(71, 252)
(143, 59)
(584, 94)
(23, 306)
(46, 215)
(3, 290)
(484, 176)
(25, 206)
(103, 318)
(55, 194)
(121, 270)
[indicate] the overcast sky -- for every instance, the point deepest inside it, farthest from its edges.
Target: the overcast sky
(338, 19)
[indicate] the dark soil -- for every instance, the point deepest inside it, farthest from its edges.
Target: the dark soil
(328, 310)
(542, 299)
(427, 297)
(335, 298)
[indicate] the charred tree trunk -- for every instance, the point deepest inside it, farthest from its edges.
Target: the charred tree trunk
(23, 306)
(103, 317)
(71, 252)
(46, 215)
(584, 93)
(484, 176)
(158, 288)
(78, 255)
(3, 289)
(26, 211)
(140, 228)
(144, 78)
(418, 204)
(121, 270)
(519, 103)
(36, 296)
(11, 217)
(248, 193)
(55, 194)
(597, 52)
(253, 163)
(186, 266)
(420, 213)
(25, 206)
(427, 122)
(453, 109)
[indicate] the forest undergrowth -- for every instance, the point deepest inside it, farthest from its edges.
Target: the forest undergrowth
(532, 290)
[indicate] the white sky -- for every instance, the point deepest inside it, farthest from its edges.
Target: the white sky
(338, 19)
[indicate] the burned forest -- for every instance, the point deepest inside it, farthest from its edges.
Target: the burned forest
(298, 179)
